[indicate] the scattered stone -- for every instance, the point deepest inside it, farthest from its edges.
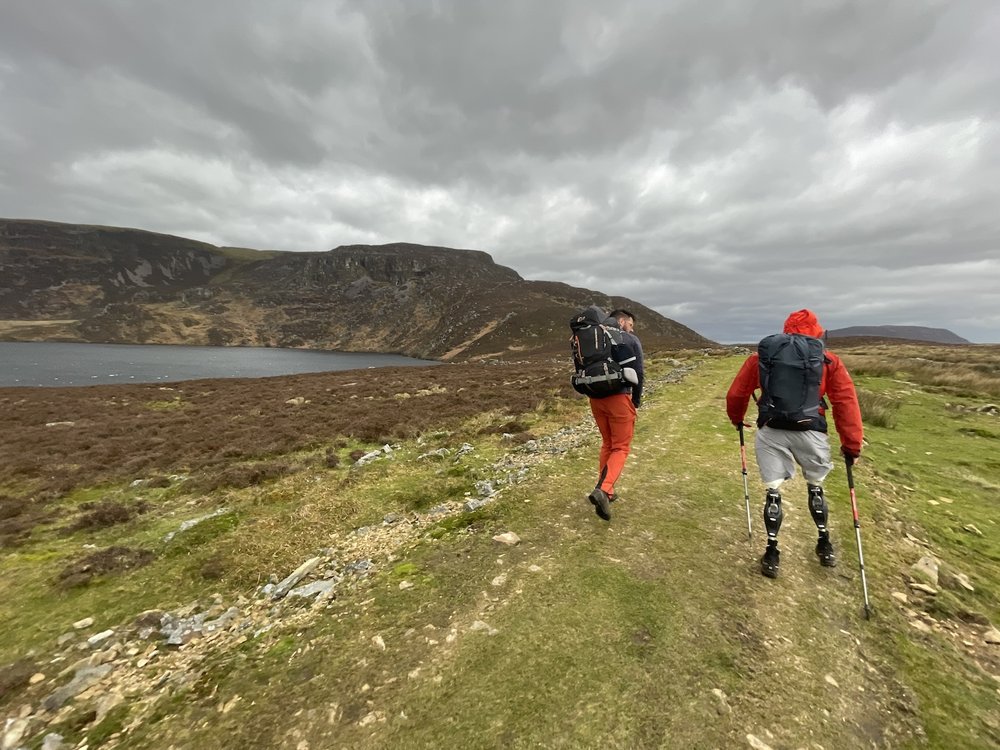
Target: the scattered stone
(65, 638)
(927, 567)
(485, 488)
(474, 504)
(378, 642)
(992, 636)
(920, 625)
(194, 522)
(508, 537)
(403, 585)
(83, 679)
(59, 424)
(971, 528)
(439, 453)
(463, 449)
(86, 622)
(757, 744)
(13, 731)
(36, 678)
(316, 588)
(829, 679)
(900, 597)
(390, 518)
(723, 706)
(96, 640)
(53, 741)
(297, 575)
(480, 625)
(500, 580)
(535, 568)
(924, 588)
(297, 401)
(952, 579)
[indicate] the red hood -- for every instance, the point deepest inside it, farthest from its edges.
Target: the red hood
(804, 322)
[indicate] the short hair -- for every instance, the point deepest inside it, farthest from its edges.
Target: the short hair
(622, 312)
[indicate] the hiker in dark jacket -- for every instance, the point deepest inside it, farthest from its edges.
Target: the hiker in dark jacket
(615, 414)
(781, 444)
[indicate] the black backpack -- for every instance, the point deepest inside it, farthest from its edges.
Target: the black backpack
(791, 370)
(597, 373)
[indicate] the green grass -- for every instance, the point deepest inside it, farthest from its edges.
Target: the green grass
(596, 635)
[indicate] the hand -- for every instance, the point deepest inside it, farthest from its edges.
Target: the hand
(850, 456)
(744, 423)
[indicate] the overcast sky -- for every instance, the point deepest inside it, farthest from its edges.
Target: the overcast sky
(721, 162)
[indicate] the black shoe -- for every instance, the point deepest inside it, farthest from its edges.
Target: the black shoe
(825, 553)
(769, 562)
(613, 497)
(601, 502)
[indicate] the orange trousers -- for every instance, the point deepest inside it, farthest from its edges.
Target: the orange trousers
(615, 417)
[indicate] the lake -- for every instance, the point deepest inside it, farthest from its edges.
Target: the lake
(58, 364)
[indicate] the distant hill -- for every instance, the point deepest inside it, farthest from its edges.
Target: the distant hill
(910, 333)
(70, 282)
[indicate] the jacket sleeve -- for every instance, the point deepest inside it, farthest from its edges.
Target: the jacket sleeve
(747, 380)
(844, 401)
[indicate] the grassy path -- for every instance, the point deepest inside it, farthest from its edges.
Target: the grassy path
(653, 631)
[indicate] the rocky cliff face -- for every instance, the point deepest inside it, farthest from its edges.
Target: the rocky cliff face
(103, 284)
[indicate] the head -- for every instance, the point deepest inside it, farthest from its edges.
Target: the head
(626, 320)
(804, 322)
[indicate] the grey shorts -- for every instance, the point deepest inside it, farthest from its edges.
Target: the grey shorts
(779, 450)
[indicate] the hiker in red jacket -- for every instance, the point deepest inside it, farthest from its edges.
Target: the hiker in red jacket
(794, 372)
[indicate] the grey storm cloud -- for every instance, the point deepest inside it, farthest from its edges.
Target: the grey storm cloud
(722, 162)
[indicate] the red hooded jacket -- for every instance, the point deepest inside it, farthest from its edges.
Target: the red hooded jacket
(835, 385)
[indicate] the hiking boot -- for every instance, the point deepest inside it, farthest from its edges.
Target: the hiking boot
(825, 553)
(601, 502)
(769, 562)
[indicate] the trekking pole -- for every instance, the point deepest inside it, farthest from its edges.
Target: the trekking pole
(746, 490)
(849, 461)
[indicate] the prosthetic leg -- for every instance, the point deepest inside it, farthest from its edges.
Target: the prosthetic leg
(772, 522)
(819, 511)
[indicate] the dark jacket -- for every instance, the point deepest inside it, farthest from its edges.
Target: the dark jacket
(629, 354)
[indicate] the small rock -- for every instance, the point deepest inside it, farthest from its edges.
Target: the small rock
(296, 401)
(900, 597)
(316, 588)
(36, 678)
(13, 731)
(923, 627)
(480, 625)
(403, 585)
(992, 636)
(831, 681)
(53, 741)
(535, 568)
(952, 579)
(86, 622)
(757, 744)
(924, 588)
(378, 642)
(723, 706)
(927, 567)
(500, 580)
(65, 638)
(971, 528)
(508, 537)
(297, 575)
(98, 638)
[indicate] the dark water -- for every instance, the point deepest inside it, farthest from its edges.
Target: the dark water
(31, 364)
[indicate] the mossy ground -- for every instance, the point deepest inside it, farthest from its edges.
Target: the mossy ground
(586, 634)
